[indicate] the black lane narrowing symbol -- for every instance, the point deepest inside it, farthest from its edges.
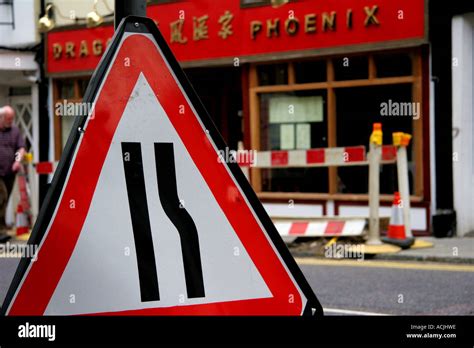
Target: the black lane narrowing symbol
(167, 191)
(133, 167)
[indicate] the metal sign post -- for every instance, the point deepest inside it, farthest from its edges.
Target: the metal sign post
(124, 8)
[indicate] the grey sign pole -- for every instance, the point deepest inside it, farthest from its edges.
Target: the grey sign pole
(124, 8)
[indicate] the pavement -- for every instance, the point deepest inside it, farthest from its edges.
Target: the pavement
(451, 250)
(446, 250)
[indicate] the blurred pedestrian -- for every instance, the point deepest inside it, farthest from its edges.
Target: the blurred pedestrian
(12, 150)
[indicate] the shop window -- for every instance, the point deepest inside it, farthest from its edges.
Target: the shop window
(335, 103)
(395, 64)
(66, 91)
(273, 74)
(310, 71)
(66, 126)
(66, 88)
(351, 68)
(83, 83)
(354, 122)
(293, 121)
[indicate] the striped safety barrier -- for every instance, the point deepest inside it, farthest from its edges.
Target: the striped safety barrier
(295, 227)
(324, 157)
(44, 167)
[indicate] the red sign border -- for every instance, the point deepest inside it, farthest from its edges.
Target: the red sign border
(25, 298)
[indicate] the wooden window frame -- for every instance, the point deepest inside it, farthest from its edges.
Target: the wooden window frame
(415, 79)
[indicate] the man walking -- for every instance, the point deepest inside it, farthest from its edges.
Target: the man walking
(12, 149)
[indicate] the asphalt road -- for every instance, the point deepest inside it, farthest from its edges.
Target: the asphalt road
(371, 287)
(7, 271)
(385, 287)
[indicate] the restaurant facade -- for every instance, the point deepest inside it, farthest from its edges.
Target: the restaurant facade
(303, 75)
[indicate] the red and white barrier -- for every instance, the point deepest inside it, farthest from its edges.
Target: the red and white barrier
(310, 158)
(22, 224)
(323, 228)
(324, 157)
(45, 167)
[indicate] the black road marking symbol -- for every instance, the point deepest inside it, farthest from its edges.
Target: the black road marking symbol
(147, 274)
(167, 191)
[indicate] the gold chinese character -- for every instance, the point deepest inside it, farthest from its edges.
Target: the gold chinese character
(200, 28)
(226, 27)
(177, 32)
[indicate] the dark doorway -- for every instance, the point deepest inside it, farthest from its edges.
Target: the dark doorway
(221, 93)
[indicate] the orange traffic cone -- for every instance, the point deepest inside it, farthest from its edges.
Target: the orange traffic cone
(22, 225)
(396, 230)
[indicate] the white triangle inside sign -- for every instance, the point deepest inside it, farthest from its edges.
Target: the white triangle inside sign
(102, 273)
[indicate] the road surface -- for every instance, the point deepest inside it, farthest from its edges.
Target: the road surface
(371, 287)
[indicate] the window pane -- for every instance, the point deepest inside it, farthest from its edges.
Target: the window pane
(310, 71)
(351, 68)
(307, 180)
(357, 109)
(390, 65)
(66, 126)
(83, 83)
(66, 89)
(19, 91)
(291, 121)
(274, 74)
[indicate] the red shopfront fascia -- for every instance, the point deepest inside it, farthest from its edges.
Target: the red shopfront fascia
(204, 32)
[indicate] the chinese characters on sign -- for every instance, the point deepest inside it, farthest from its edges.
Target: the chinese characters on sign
(208, 30)
(200, 29)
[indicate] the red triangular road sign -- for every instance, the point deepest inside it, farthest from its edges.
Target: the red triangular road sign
(142, 217)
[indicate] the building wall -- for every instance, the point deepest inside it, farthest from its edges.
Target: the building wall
(24, 33)
(66, 10)
(463, 121)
